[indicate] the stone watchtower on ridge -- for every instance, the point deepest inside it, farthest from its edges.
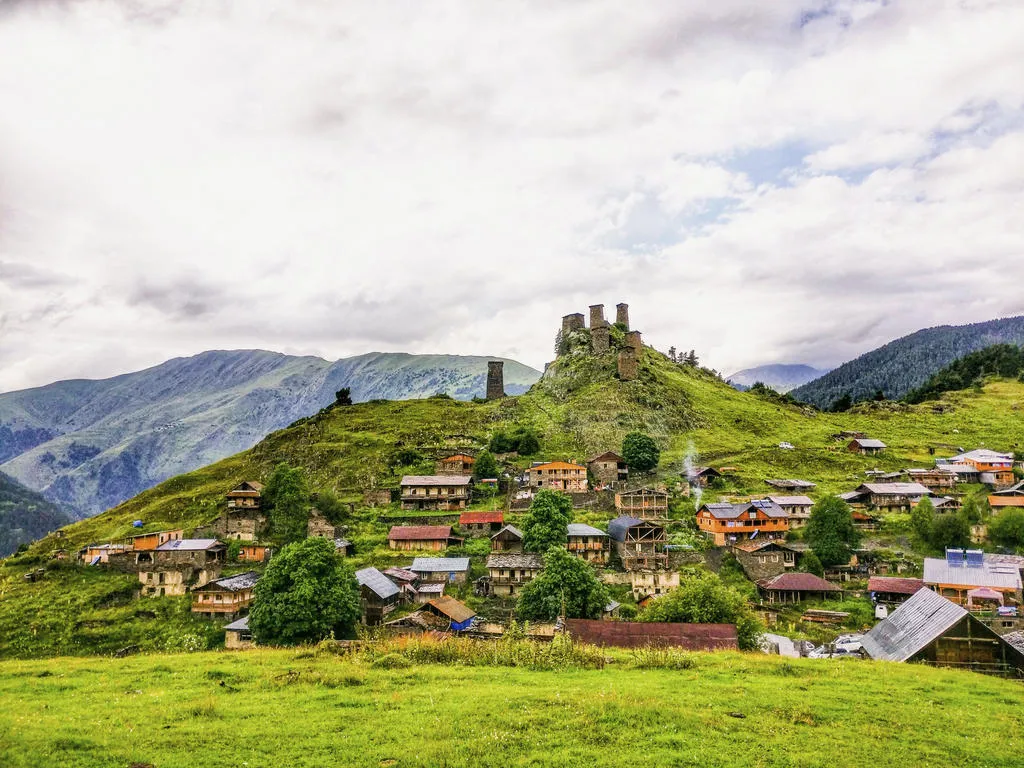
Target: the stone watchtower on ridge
(622, 315)
(495, 380)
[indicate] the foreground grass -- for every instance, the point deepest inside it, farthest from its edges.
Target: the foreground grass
(275, 707)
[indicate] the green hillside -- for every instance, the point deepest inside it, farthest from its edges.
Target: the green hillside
(306, 708)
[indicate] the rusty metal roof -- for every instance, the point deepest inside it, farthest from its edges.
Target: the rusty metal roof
(894, 585)
(467, 518)
(634, 634)
(798, 582)
(419, 532)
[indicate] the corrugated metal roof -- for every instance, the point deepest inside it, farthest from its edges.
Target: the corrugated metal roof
(509, 529)
(725, 511)
(188, 545)
(451, 608)
(515, 560)
(798, 582)
(792, 501)
(634, 634)
(896, 489)
(580, 529)
(989, 574)
(377, 583)
(439, 564)
(912, 626)
(894, 585)
(790, 483)
(402, 574)
(237, 583)
(983, 455)
(237, 626)
(617, 528)
(436, 480)
(419, 532)
(868, 442)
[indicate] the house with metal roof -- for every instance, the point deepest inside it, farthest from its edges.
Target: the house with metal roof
(797, 508)
(454, 570)
(791, 484)
(477, 523)
(866, 446)
(893, 590)
(588, 543)
(508, 539)
(509, 572)
(228, 597)
(888, 497)
(459, 616)
(930, 629)
(378, 595)
(419, 537)
(444, 492)
(728, 523)
(701, 476)
(994, 468)
(237, 635)
(1008, 497)
(968, 578)
(640, 544)
(797, 587)
(632, 634)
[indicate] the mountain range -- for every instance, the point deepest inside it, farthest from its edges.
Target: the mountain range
(906, 363)
(780, 377)
(88, 445)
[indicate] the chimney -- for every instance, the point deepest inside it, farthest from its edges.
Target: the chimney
(495, 380)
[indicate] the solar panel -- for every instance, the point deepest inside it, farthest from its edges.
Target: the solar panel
(954, 558)
(975, 558)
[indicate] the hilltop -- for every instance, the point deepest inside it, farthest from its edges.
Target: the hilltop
(89, 445)
(906, 363)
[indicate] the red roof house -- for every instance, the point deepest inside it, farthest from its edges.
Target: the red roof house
(635, 634)
(795, 587)
(436, 537)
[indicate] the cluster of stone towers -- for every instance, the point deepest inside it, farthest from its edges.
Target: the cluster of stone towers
(600, 336)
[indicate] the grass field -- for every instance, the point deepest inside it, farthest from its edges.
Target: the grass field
(300, 708)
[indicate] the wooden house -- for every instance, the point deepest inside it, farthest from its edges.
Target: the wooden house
(254, 553)
(244, 518)
(588, 543)
(640, 543)
(888, 497)
(893, 590)
(797, 508)
(936, 480)
(378, 595)
(866, 446)
(427, 591)
(245, 495)
(559, 476)
(608, 468)
(227, 598)
(929, 629)
(444, 492)
(797, 587)
(1009, 497)
(729, 523)
(508, 539)
(994, 469)
(238, 636)
(318, 526)
(453, 570)
(644, 503)
(791, 484)
(480, 523)
(149, 541)
(459, 464)
(970, 579)
(509, 572)
(632, 634)
(459, 617)
(419, 537)
(702, 476)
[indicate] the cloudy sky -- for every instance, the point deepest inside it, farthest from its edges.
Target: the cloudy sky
(783, 181)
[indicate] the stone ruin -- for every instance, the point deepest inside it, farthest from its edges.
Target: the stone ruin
(495, 380)
(600, 337)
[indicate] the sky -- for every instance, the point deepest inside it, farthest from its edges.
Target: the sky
(785, 181)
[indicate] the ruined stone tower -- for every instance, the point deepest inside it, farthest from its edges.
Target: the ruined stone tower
(622, 315)
(597, 316)
(572, 323)
(601, 339)
(627, 364)
(495, 379)
(634, 342)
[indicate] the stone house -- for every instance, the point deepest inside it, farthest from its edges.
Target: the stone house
(508, 573)
(378, 595)
(866, 446)
(588, 543)
(559, 476)
(647, 584)
(453, 570)
(888, 497)
(481, 523)
(645, 503)
(459, 464)
(229, 597)
(418, 537)
(797, 508)
(762, 559)
(729, 523)
(319, 526)
(608, 468)
(178, 564)
(425, 492)
(640, 544)
(237, 635)
(508, 539)
(244, 518)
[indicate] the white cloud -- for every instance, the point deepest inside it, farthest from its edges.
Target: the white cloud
(334, 178)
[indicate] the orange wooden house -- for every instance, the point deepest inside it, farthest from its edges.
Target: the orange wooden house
(729, 523)
(559, 476)
(254, 553)
(228, 597)
(144, 541)
(459, 464)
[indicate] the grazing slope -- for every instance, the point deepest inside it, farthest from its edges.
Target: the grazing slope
(906, 363)
(89, 445)
(781, 377)
(278, 707)
(25, 515)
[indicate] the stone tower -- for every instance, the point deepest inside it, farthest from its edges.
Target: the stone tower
(601, 339)
(634, 342)
(495, 379)
(627, 364)
(622, 315)
(597, 316)
(572, 323)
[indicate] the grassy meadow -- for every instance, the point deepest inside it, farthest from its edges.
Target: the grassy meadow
(306, 708)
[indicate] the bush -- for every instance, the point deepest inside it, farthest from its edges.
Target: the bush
(950, 530)
(1007, 528)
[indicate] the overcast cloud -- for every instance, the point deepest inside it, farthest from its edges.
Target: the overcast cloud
(783, 181)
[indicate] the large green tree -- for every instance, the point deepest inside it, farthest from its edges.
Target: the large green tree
(640, 451)
(830, 532)
(1007, 528)
(950, 530)
(566, 581)
(702, 598)
(922, 517)
(286, 497)
(485, 466)
(545, 524)
(306, 594)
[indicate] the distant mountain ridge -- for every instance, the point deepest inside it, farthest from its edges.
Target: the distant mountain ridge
(906, 363)
(782, 377)
(25, 515)
(91, 444)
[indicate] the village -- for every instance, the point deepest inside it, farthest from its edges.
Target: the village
(453, 559)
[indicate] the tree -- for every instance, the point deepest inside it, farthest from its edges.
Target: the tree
(922, 517)
(830, 531)
(234, 549)
(485, 466)
(950, 531)
(1007, 528)
(842, 403)
(526, 441)
(702, 598)
(972, 510)
(810, 563)
(640, 451)
(331, 506)
(672, 354)
(306, 594)
(565, 583)
(343, 396)
(501, 443)
(545, 524)
(286, 496)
